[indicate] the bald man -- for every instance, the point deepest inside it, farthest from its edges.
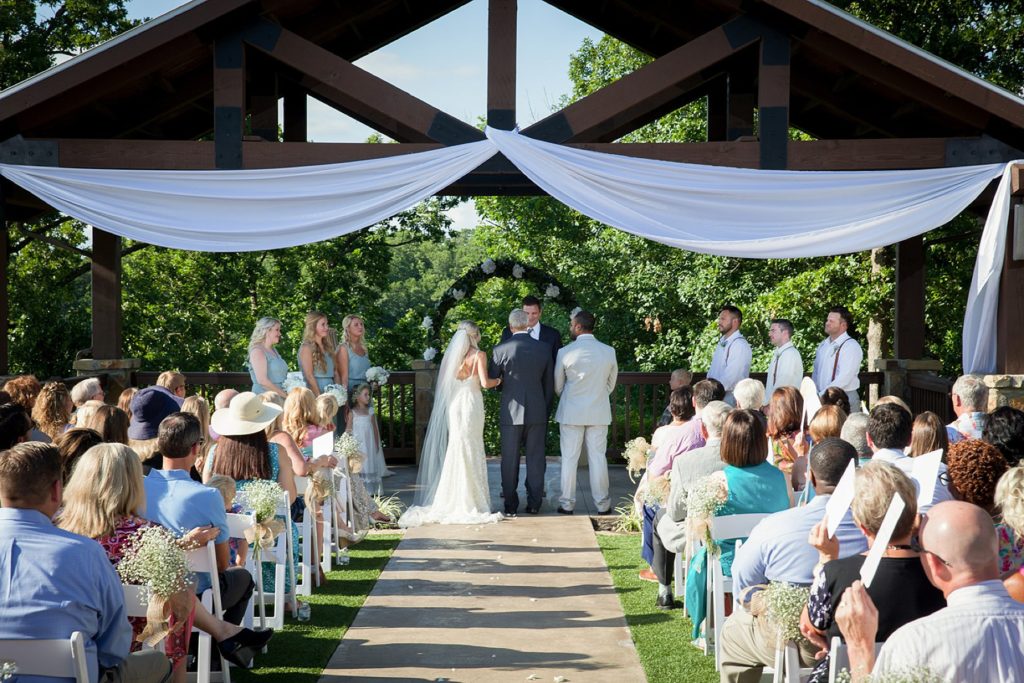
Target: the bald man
(976, 637)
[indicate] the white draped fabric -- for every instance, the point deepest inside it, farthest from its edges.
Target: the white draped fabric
(710, 209)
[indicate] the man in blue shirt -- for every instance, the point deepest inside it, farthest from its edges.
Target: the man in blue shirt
(176, 502)
(777, 550)
(54, 582)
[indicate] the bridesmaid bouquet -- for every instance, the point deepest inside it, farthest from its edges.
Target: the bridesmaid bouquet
(292, 380)
(377, 375)
(339, 392)
(153, 558)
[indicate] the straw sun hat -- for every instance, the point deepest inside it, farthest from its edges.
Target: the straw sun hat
(246, 414)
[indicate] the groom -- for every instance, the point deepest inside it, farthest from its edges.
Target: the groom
(524, 366)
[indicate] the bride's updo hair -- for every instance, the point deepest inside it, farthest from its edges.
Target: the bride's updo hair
(472, 331)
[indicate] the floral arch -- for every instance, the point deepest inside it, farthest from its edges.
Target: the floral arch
(550, 289)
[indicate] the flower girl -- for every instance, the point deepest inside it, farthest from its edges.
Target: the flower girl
(363, 426)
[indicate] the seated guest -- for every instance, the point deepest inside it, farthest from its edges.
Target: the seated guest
(149, 407)
(928, 434)
(1010, 501)
(827, 423)
(23, 390)
(677, 380)
(974, 471)
(85, 411)
(277, 435)
(124, 401)
(1004, 429)
(176, 502)
(15, 425)
(54, 582)
(220, 402)
(976, 637)
(855, 433)
(834, 396)
(889, 432)
(787, 449)
(174, 382)
(52, 410)
(777, 550)
(689, 437)
(111, 422)
(112, 520)
(900, 585)
(749, 394)
(669, 529)
(752, 485)
(970, 403)
(896, 401)
(197, 405)
(88, 389)
(72, 444)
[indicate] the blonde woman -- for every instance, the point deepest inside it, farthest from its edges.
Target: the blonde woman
(277, 434)
(1010, 501)
(266, 367)
(200, 407)
(352, 360)
(316, 354)
(124, 401)
(52, 410)
(300, 419)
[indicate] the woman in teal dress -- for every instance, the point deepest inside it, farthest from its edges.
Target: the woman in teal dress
(243, 453)
(316, 354)
(754, 486)
(266, 367)
(353, 360)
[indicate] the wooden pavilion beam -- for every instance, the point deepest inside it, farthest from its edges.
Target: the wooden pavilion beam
(228, 102)
(909, 333)
(773, 99)
(357, 92)
(501, 64)
(295, 116)
(641, 96)
(106, 295)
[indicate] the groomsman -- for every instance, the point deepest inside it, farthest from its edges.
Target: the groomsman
(535, 328)
(838, 358)
(585, 374)
(731, 360)
(786, 368)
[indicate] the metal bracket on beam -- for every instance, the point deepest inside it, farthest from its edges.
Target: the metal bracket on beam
(982, 150)
(19, 151)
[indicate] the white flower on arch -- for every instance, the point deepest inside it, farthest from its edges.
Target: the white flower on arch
(488, 266)
(429, 354)
(552, 292)
(517, 271)
(427, 323)
(458, 294)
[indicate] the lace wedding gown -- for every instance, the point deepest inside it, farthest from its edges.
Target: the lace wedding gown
(462, 495)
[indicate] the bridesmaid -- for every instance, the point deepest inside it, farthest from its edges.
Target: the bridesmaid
(266, 367)
(353, 360)
(316, 354)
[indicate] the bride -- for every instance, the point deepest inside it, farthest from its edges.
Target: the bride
(451, 486)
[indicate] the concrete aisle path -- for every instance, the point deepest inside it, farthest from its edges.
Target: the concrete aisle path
(497, 602)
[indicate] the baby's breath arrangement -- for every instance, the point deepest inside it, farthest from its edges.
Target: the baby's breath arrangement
(783, 604)
(918, 674)
(261, 497)
(346, 445)
(703, 501)
(153, 558)
(339, 393)
(657, 490)
(636, 453)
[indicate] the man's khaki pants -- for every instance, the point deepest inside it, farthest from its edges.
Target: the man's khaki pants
(745, 650)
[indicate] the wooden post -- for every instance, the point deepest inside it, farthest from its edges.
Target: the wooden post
(106, 295)
(773, 100)
(4, 308)
(741, 106)
(718, 109)
(1010, 318)
(263, 105)
(228, 102)
(501, 64)
(910, 296)
(295, 123)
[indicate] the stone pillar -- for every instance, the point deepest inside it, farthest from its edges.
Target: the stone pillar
(118, 370)
(898, 371)
(1004, 390)
(426, 375)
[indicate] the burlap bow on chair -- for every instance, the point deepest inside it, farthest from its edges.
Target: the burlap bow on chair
(264, 533)
(158, 612)
(319, 489)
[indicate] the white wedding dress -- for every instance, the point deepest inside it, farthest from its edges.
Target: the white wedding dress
(461, 495)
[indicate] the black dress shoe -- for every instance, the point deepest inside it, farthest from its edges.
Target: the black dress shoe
(509, 515)
(532, 511)
(241, 648)
(606, 511)
(666, 602)
(563, 511)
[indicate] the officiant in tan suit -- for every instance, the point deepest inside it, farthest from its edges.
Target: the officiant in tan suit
(585, 374)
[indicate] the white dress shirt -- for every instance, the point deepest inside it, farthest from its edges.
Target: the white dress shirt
(786, 369)
(976, 637)
(845, 373)
(906, 463)
(731, 360)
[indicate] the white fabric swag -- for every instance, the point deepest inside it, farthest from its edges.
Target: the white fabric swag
(710, 209)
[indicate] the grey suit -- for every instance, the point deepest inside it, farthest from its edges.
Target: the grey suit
(527, 390)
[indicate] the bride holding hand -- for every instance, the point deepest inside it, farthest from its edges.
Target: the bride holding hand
(451, 486)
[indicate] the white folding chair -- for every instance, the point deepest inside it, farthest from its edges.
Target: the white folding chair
(136, 599)
(724, 528)
(57, 658)
(281, 556)
(839, 659)
(308, 557)
(204, 561)
(787, 667)
(680, 566)
(237, 526)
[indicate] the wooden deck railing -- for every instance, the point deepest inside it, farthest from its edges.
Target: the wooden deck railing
(931, 392)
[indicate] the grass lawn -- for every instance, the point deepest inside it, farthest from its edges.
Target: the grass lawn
(299, 653)
(661, 638)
